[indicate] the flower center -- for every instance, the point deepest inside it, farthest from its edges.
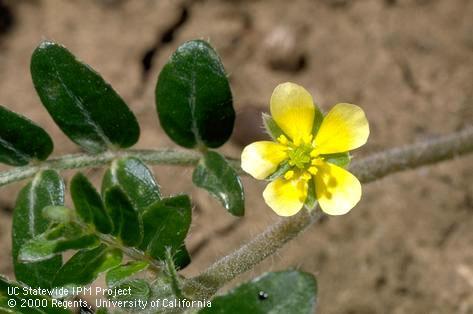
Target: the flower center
(299, 156)
(303, 157)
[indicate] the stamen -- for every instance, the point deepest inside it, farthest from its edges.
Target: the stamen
(306, 176)
(313, 170)
(282, 139)
(317, 161)
(288, 175)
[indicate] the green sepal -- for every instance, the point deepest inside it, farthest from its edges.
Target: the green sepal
(280, 171)
(219, 178)
(338, 159)
(121, 273)
(84, 266)
(193, 97)
(89, 205)
(128, 225)
(286, 292)
(318, 118)
(135, 179)
(271, 127)
(311, 200)
(46, 189)
(166, 224)
(21, 140)
(82, 104)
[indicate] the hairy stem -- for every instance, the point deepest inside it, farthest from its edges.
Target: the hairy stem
(76, 161)
(172, 273)
(286, 229)
(131, 252)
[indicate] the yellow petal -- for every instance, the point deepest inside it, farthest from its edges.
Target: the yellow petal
(344, 128)
(286, 197)
(293, 110)
(337, 190)
(260, 159)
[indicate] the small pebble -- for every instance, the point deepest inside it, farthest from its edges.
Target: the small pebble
(283, 50)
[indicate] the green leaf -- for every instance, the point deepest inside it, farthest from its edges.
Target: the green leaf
(82, 104)
(165, 224)
(42, 304)
(271, 127)
(127, 223)
(46, 188)
(286, 292)
(193, 97)
(88, 204)
(338, 159)
(181, 257)
(139, 290)
(42, 248)
(119, 274)
(84, 267)
(58, 213)
(21, 140)
(135, 179)
(214, 174)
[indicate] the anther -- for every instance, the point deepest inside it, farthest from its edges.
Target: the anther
(282, 139)
(312, 170)
(306, 176)
(288, 175)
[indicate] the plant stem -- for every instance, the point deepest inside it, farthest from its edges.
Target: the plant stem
(135, 254)
(172, 272)
(286, 229)
(76, 161)
(131, 252)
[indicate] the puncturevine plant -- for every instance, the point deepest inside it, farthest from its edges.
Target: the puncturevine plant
(134, 235)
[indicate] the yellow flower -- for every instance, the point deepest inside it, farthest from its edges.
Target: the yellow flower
(300, 162)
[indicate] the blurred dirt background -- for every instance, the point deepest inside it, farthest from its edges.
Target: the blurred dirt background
(407, 247)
